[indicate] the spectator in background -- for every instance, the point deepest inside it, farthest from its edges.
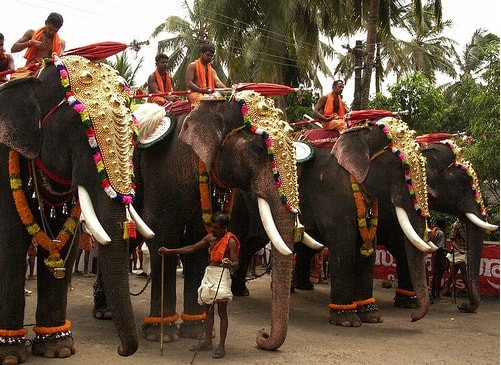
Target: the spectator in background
(439, 260)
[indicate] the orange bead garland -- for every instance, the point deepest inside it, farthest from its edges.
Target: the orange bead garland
(158, 320)
(193, 317)
(343, 307)
(51, 330)
(24, 211)
(14, 333)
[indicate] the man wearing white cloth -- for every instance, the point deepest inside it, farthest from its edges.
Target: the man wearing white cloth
(216, 284)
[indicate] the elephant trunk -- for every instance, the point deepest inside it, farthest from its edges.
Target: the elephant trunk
(280, 284)
(417, 269)
(475, 240)
(113, 262)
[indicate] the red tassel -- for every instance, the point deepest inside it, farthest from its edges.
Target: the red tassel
(131, 229)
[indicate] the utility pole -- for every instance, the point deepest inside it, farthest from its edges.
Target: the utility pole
(358, 54)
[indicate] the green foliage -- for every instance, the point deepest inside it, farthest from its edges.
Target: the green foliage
(125, 68)
(416, 94)
(298, 104)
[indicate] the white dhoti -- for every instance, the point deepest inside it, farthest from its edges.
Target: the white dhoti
(213, 282)
(458, 257)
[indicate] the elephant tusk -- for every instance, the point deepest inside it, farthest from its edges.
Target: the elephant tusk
(411, 234)
(271, 228)
(141, 226)
(480, 223)
(91, 220)
(311, 242)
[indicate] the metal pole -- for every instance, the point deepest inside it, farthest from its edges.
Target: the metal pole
(162, 307)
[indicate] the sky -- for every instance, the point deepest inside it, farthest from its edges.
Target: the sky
(123, 21)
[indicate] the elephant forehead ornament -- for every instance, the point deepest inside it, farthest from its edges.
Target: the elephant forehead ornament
(261, 117)
(101, 96)
(403, 144)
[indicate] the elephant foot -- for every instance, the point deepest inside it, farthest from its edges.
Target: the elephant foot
(369, 313)
(193, 329)
(13, 354)
(466, 308)
(344, 318)
(238, 287)
(153, 332)
(308, 285)
(53, 346)
(405, 301)
(104, 314)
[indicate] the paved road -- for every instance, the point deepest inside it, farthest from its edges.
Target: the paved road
(444, 336)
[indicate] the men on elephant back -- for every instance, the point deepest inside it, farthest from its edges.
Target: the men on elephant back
(6, 62)
(39, 44)
(160, 82)
(331, 109)
(201, 78)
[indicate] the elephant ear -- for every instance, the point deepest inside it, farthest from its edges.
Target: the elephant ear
(352, 153)
(434, 165)
(20, 117)
(200, 132)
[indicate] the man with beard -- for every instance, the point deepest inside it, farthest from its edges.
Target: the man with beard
(39, 44)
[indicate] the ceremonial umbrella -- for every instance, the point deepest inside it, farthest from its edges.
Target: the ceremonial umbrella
(433, 137)
(97, 51)
(263, 88)
(358, 116)
(5, 73)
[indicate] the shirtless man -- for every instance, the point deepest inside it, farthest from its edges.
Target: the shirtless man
(6, 62)
(201, 79)
(160, 81)
(216, 284)
(331, 109)
(40, 44)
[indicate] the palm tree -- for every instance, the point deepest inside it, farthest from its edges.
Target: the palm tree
(125, 67)
(270, 41)
(185, 38)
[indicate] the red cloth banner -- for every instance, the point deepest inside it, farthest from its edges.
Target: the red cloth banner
(489, 269)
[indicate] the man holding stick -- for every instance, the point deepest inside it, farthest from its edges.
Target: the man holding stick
(216, 284)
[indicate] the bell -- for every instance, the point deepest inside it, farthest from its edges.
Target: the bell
(34, 196)
(52, 213)
(59, 272)
(73, 200)
(298, 231)
(30, 183)
(65, 209)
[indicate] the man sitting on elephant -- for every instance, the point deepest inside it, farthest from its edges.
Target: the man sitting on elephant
(331, 109)
(201, 78)
(40, 44)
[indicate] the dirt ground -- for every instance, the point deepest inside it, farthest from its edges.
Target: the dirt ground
(444, 336)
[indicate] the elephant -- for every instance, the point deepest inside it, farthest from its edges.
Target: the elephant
(226, 140)
(66, 136)
(329, 214)
(450, 180)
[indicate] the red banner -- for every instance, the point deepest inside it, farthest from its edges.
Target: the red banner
(489, 269)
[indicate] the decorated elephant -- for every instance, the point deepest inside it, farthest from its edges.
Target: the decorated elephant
(372, 171)
(240, 144)
(67, 145)
(453, 188)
